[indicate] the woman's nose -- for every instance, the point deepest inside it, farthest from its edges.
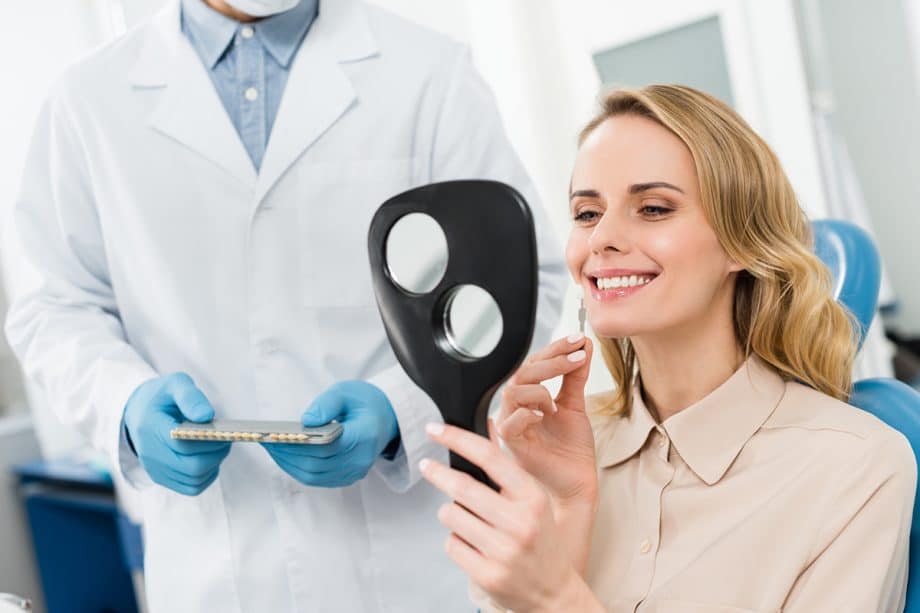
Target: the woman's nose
(609, 235)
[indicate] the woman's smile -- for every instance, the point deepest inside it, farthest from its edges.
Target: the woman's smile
(617, 283)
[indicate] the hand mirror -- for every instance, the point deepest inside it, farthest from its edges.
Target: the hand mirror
(454, 267)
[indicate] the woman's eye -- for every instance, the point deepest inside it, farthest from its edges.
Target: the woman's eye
(585, 216)
(653, 210)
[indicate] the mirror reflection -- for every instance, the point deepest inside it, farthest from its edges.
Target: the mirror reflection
(473, 321)
(416, 253)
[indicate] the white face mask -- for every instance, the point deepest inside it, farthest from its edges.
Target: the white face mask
(262, 8)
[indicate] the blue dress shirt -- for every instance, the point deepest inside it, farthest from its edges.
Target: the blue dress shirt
(248, 63)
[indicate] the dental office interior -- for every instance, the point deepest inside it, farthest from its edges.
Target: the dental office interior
(833, 86)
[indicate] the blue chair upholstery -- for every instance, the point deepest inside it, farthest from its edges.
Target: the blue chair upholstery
(855, 264)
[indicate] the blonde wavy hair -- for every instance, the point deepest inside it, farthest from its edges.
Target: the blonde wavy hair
(784, 311)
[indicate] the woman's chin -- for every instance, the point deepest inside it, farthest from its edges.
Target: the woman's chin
(615, 329)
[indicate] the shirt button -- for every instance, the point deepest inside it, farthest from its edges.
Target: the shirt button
(247, 32)
(251, 94)
(661, 441)
(645, 546)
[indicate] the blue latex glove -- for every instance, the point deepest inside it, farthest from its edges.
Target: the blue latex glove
(156, 407)
(368, 426)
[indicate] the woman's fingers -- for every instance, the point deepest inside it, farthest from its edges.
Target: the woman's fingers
(475, 496)
(572, 390)
(510, 477)
(562, 346)
(472, 562)
(538, 370)
(483, 537)
(531, 396)
(517, 424)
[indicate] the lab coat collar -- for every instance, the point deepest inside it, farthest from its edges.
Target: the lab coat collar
(189, 110)
(317, 93)
(318, 90)
(709, 434)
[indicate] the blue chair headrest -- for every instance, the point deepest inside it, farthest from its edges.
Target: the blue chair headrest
(850, 254)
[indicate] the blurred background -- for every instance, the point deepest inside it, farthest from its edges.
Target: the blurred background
(832, 85)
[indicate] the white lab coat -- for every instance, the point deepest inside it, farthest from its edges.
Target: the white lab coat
(161, 249)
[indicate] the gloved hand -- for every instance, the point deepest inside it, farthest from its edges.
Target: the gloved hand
(155, 408)
(369, 425)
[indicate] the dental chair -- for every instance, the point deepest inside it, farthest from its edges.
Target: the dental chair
(854, 262)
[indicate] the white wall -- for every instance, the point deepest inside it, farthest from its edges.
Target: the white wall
(871, 53)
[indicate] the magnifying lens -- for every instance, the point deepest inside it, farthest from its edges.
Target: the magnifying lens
(454, 268)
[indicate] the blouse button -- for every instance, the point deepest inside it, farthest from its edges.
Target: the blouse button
(645, 546)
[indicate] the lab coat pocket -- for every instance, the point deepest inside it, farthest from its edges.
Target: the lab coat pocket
(335, 213)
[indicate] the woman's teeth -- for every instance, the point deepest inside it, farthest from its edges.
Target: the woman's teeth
(630, 281)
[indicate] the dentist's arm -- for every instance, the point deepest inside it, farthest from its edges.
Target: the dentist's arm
(67, 331)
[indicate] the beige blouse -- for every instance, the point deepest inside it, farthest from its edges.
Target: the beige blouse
(764, 496)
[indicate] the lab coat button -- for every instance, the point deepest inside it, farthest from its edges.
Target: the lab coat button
(247, 32)
(251, 94)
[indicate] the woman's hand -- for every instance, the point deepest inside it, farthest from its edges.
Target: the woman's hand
(551, 438)
(508, 542)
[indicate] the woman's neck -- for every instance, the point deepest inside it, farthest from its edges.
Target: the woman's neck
(681, 367)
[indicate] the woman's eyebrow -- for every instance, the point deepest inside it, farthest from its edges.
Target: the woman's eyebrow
(637, 188)
(584, 193)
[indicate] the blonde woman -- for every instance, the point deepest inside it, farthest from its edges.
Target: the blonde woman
(725, 472)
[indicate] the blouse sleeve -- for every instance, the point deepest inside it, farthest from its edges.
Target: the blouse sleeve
(860, 558)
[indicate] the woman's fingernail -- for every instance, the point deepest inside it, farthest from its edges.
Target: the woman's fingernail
(423, 464)
(435, 429)
(577, 356)
(537, 412)
(574, 338)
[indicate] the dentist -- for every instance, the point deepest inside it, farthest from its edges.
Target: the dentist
(196, 201)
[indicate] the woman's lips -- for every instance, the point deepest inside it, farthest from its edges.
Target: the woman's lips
(605, 289)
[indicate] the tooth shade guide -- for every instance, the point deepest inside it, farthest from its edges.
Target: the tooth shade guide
(256, 431)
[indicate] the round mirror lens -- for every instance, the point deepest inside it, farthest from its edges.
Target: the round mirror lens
(473, 321)
(416, 253)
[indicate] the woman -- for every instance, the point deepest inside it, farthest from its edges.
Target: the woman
(725, 471)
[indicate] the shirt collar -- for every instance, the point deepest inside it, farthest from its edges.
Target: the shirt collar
(619, 438)
(211, 31)
(709, 434)
(280, 34)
